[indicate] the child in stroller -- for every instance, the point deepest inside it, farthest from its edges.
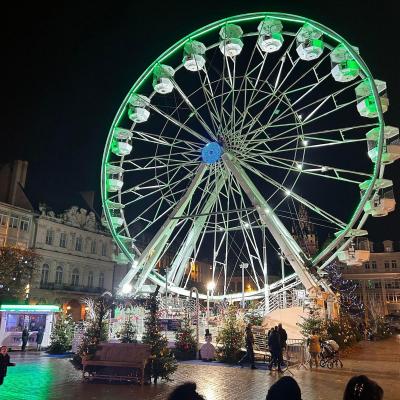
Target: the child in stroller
(330, 354)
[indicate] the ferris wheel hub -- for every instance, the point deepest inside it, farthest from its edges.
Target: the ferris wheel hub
(211, 153)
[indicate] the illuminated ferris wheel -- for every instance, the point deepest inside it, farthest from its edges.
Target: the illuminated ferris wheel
(227, 134)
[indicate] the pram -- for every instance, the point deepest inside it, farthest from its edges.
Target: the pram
(329, 355)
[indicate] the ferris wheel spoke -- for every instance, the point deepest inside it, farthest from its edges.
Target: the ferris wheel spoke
(194, 110)
(178, 123)
(297, 197)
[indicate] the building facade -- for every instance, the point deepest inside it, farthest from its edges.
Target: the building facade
(78, 258)
(378, 280)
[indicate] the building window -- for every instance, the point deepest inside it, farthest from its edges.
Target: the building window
(13, 222)
(75, 277)
(45, 274)
(90, 280)
(373, 264)
(366, 265)
(104, 249)
(63, 240)
(59, 275)
(93, 247)
(101, 280)
(3, 219)
(78, 244)
(24, 225)
(49, 237)
(394, 264)
(387, 264)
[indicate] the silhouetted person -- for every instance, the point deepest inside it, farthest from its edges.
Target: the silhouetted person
(285, 388)
(39, 338)
(25, 337)
(4, 363)
(360, 387)
(186, 391)
(282, 336)
(249, 348)
(274, 345)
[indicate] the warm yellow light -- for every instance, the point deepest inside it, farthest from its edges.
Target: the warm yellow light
(210, 285)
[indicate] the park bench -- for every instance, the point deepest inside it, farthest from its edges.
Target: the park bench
(118, 361)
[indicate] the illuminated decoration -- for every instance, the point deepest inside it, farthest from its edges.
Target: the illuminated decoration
(367, 103)
(29, 308)
(240, 144)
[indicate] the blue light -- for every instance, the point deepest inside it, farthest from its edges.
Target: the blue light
(211, 153)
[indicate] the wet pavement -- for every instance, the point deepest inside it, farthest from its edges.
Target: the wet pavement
(39, 376)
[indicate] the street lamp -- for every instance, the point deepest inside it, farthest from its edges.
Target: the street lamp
(210, 288)
(243, 266)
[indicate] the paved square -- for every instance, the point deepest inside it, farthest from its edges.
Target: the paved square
(43, 377)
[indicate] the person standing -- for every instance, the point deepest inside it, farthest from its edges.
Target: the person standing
(25, 337)
(274, 344)
(39, 338)
(4, 363)
(314, 348)
(282, 336)
(249, 348)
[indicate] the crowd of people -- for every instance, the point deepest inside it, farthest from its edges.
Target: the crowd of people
(359, 387)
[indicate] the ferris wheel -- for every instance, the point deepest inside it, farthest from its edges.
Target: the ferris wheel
(226, 135)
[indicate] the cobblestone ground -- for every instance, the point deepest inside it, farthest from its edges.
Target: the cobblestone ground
(38, 376)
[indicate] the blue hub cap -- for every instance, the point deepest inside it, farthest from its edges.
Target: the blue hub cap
(211, 153)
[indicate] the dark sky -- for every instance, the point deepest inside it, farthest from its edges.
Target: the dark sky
(68, 67)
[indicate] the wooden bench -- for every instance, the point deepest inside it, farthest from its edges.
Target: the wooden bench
(118, 361)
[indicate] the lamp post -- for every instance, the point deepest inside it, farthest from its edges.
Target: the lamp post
(282, 257)
(243, 266)
(210, 288)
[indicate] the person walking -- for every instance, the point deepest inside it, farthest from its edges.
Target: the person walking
(25, 337)
(314, 348)
(249, 348)
(4, 363)
(275, 348)
(39, 338)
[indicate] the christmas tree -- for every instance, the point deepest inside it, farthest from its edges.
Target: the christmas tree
(185, 343)
(163, 364)
(61, 335)
(127, 333)
(230, 338)
(312, 322)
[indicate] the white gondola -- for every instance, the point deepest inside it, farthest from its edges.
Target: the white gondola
(390, 153)
(271, 38)
(356, 254)
(193, 58)
(344, 67)
(388, 132)
(162, 78)
(379, 183)
(137, 111)
(121, 146)
(352, 233)
(231, 43)
(309, 43)
(381, 204)
(366, 104)
(117, 221)
(112, 205)
(114, 179)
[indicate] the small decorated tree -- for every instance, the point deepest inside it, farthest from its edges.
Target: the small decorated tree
(185, 343)
(163, 364)
(127, 333)
(231, 337)
(312, 322)
(61, 335)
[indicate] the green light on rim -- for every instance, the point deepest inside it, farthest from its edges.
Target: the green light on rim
(26, 307)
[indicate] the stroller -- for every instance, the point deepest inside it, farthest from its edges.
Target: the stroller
(329, 355)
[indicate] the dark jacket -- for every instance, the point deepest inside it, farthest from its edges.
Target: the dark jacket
(249, 338)
(274, 342)
(25, 335)
(282, 336)
(39, 336)
(4, 363)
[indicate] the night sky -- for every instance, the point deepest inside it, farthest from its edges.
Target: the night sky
(68, 67)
